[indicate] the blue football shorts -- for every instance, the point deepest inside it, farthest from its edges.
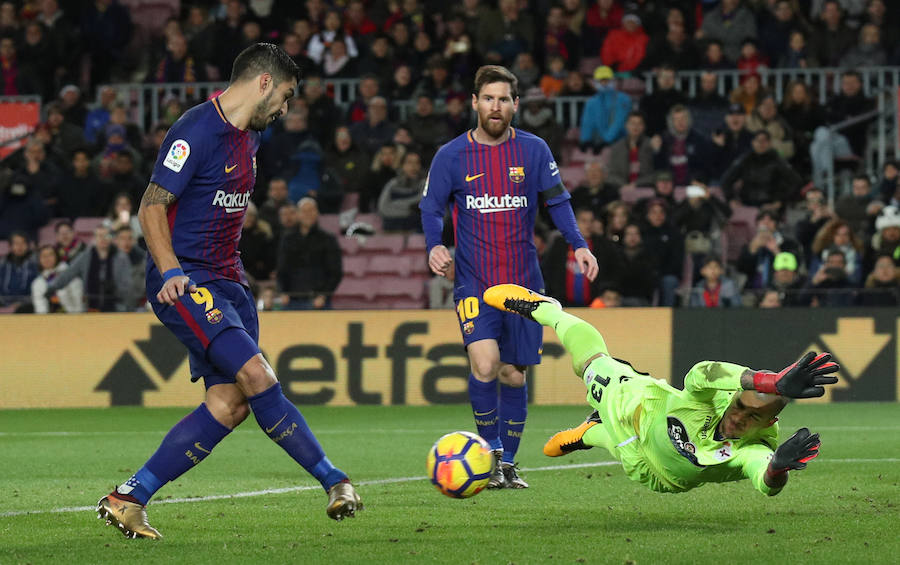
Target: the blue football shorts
(520, 340)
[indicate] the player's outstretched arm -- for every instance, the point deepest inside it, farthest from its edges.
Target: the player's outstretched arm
(153, 215)
(804, 379)
(794, 453)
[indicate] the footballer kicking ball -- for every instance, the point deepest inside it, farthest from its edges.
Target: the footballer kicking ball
(460, 464)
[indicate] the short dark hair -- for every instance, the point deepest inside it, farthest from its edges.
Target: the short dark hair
(863, 176)
(264, 58)
(62, 223)
(495, 73)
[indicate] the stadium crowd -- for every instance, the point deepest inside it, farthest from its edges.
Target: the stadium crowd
(666, 175)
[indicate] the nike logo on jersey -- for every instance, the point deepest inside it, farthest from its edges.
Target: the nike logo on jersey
(470, 178)
(272, 429)
(229, 169)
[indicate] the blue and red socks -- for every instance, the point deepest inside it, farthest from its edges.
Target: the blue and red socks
(187, 444)
(284, 424)
(484, 399)
(513, 411)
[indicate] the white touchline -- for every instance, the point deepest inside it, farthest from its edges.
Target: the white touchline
(372, 482)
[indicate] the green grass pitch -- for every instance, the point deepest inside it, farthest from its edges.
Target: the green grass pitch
(845, 508)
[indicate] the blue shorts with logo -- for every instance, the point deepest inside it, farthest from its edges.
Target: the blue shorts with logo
(199, 317)
(520, 340)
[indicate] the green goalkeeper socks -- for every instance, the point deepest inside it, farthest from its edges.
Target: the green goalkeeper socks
(580, 339)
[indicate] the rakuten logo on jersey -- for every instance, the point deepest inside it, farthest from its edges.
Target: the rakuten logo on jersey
(232, 201)
(488, 204)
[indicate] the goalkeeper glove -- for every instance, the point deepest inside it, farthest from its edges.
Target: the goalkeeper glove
(795, 452)
(803, 379)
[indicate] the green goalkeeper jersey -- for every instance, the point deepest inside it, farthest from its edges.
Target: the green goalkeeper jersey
(676, 446)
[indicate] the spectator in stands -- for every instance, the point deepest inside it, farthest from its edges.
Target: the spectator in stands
(656, 105)
(631, 158)
(770, 299)
(457, 114)
(68, 299)
(36, 51)
(837, 234)
(882, 287)
(624, 48)
(830, 286)
(357, 23)
(526, 71)
(125, 177)
(714, 57)
(309, 262)
(831, 38)
(751, 60)
(337, 62)
(199, 32)
(375, 131)
(331, 31)
(765, 117)
(562, 274)
(617, 217)
(775, 26)
(761, 177)
(700, 212)
(80, 191)
(797, 55)
(17, 270)
(276, 198)
(399, 199)
(816, 214)
(787, 281)
(594, 192)
(295, 46)
(459, 51)
(729, 23)
(257, 246)
(346, 163)
(115, 142)
(428, 130)
(121, 215)
(178, 64)
(859, 208)
(603, 120)
(126, 242)
(402, 45)
(67, 246)
(16, 77)
(663, 189)
(22, 207)
(730, 142)
(436, 82)
(538, 118)
(888, 189)
(675, 49)
(868, 52)
(877, 14)
(383, 168)
(554, 79)
(368, 88)
(576, 85)
(422, 49)
(66, 137)
(295, 155)
(118, 116)
(505, 33)
(95, 123)
(640, 275)
(378, 60)
(848, 143)
(61, 31)
(402, 85)
(886, 240)
(665, 244)
(106, 30)
(38, 176)
(803, 114)
(681, 149)
(323, 115)
(708, 108)
(715, 290)
(748, 93)
(560, 41)
(105, 273)
(757, 256)
(601, 17)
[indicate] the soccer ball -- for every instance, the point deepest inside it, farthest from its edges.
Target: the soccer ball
(460, 464)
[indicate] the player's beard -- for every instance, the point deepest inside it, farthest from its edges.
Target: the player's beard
(261, 117)
(495, 129)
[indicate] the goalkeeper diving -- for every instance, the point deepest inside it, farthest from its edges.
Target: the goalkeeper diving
(720, 428)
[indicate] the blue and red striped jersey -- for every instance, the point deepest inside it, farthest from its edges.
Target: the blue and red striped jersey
(210, 166)
(493, 194)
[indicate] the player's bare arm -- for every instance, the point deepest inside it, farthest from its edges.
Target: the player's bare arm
(153, 215)
(587, 263)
